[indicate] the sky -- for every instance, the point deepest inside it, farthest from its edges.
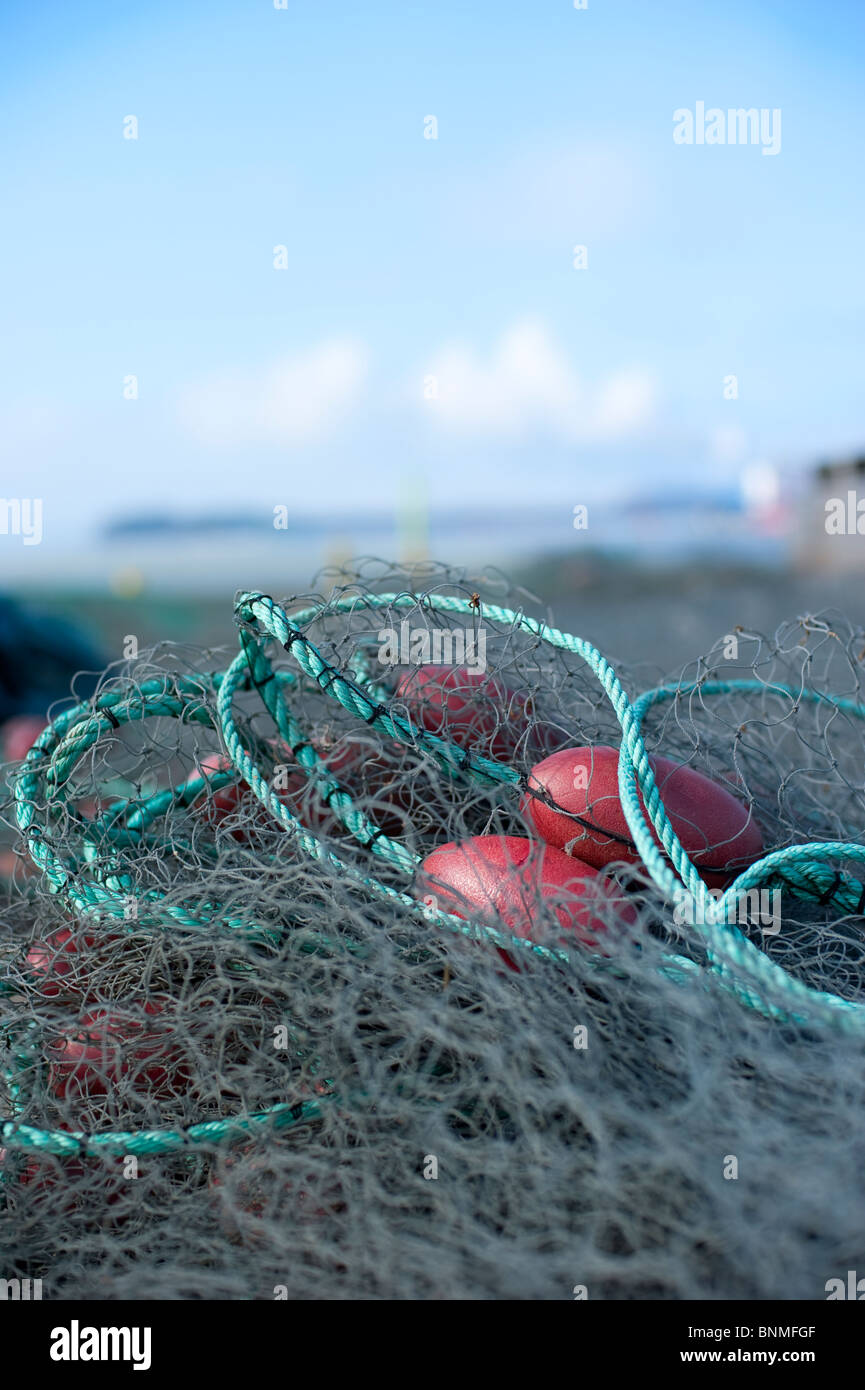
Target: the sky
(429, 328)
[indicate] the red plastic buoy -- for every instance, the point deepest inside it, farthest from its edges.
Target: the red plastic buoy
(61, 963)
(507, 881)
(18, 735)
(252, 1190)
(717, 832)
(468, 707)
(107, 1045)
(80, 1182)
(361, 770)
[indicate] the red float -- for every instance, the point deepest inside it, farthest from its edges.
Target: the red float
(471, 708)
(80, 1182)
(252, 1191)
(18, 735)
(716, 831)
(363, 771)
(107, 1045)
(508, 881)
(61, 964)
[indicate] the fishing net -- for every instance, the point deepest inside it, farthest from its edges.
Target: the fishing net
(250, 1050)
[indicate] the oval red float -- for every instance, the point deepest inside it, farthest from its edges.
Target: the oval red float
(717, 832)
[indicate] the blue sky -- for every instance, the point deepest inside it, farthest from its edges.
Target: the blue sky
(411, 258)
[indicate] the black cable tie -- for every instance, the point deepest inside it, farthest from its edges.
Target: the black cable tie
(327, 799)
(377, 833)
(250, 599)
(832, 889)
(376, 713)
(296, 747)
(109, 714)
(335, 674)
(295, 635)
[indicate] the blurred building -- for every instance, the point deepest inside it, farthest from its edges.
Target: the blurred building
(830, 535)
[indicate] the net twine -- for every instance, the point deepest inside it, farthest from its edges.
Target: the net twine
(96, 884)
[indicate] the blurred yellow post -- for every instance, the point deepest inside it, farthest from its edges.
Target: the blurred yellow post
(412, 519)
(338, 555)
(127, 582)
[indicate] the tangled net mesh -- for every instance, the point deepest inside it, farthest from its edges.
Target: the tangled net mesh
(311, 1086)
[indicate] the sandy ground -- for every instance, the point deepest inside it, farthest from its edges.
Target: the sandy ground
(667, 621)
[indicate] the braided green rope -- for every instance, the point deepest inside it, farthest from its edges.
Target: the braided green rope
(96, 884)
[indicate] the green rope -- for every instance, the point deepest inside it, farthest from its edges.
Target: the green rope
(96, 883)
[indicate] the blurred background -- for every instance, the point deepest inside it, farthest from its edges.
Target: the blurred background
(285, 284)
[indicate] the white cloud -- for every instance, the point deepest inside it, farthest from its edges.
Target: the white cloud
(626, 402)
(298, 400)
(528, 388)
(728, 444)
